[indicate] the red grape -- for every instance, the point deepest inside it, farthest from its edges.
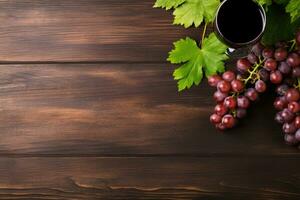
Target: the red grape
(214, 80)
(252, 58)
(287, 115)
(215, 119)
(297, 135)
(296, 72)
(220, 109)
(260, 86)
(279, 104)
(278, 118)
(243, 65)
(280, 54)
(276, 77)
(219, 96)
(230, 102)
(284, 68)
(289, 128)
(292, 95)
(293, 60)
(297, 121)
(257, 49)
(294, 107)
(243, 102)
(251, 94)
(282, 89)
(224, 86)
(228, 76)
(264, 75)
(290, 139)
(270, 64)
(268, 53)
(228, 121)
(237, 85)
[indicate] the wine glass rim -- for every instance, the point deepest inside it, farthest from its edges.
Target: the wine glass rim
(263, 12)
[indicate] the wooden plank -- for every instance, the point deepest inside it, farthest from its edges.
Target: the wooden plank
(86, 30)
(150, 178)
(106, 109)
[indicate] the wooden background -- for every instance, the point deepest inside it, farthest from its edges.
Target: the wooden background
(89, 110)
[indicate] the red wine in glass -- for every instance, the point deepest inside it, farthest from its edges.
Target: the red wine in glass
(240, 23)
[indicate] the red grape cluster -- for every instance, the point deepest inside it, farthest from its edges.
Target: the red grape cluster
(288, 105)
(236, 90)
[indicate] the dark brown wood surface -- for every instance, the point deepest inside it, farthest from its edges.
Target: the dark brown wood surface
(89, 110)
(149, 178)
(86, 30)
(99, 109)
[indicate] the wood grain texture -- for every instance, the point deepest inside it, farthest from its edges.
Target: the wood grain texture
(150, 178)
(124, 109)
(89, 110)
(86, 30)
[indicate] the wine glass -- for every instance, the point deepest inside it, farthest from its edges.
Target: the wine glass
(239, 23)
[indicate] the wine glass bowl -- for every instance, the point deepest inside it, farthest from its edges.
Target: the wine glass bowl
(239, 23)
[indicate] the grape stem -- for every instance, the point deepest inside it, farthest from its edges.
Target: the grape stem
(298, 84)
(204, 33)
(253, 72)
(233, 113)
(293, 45)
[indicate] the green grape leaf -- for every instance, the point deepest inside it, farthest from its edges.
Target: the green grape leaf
(279, 26)
(208, 59)
(294, 9)
(195, 11)
(264, 2)
(269, 2)
(190, 12)
(168, 4)
(283, 2)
